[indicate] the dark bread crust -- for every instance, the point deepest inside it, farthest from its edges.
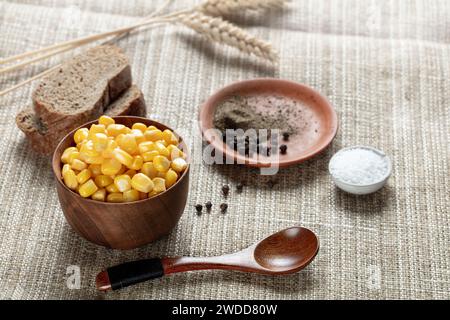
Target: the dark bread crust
(81, 89)
(44, 138)
(130, 102)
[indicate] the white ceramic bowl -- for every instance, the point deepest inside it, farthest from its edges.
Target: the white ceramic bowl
(361, 189)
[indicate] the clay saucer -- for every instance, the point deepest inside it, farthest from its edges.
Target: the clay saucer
(310, 114)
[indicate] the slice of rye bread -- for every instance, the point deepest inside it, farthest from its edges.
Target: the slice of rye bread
(44, 138)
(82, 87)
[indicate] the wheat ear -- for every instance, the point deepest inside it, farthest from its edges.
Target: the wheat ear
(224, 32)
(226, 7)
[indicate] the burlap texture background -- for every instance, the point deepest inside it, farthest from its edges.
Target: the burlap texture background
(385, 67)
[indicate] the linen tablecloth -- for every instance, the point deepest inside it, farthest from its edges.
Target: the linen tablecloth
(385, 67)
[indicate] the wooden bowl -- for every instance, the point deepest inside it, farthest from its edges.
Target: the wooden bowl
(122, 225)
(316, 121)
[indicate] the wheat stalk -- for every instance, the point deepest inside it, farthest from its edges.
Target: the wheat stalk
(224, 32)
(227, 7)
(205, 19)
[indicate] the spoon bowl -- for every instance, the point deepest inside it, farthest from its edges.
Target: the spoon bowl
(285, 252)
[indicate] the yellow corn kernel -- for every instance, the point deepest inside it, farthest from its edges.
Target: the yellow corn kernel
(80, 135)
(174, 152)
(77, 164)
(150, 155)
(162, 164)
(171, 177)
(84, 176)
(149, 170)
(72, 156)
(179, 164)
(123, 182)
(163, 142)
(159, 185)
(114, 130)
(87, 189)
(103, 181)
(118, 138)
(96, 128)
(112, 188)
(123, 157)
(138, 161)
(70, 179)
(153, 134)
(87, 149)
(161, 174)
(115, 197)
(121, 171)
(146, 146)
(139, 126)
(161, 148)
(127, 142)
(96, 169)
(92, 160)
(130, 173)
(131, 195)
(100, 141)
(65, 168)
(66, 154)
(99, 195)
(107, 153)
(111, 167)
(142, 183)
(170, 137)
(138, 135)
(106, 121)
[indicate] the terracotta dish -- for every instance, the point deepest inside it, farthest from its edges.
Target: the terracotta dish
(122, 225)
(315, 120)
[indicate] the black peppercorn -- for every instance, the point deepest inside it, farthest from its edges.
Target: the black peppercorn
(239, 187)
(283, 149)
(285, 136)
(199, 209)
(208, 206)
(225, 190)
(223, 207)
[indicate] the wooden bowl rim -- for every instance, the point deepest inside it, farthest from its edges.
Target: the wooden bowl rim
(56, 162)
(216, 97)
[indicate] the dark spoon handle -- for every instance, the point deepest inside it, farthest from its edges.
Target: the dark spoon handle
(129, 273)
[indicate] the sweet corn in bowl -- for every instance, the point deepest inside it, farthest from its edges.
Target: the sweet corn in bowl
(115, 163)
(122, 182)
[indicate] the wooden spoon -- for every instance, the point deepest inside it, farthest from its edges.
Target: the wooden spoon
(287, 251)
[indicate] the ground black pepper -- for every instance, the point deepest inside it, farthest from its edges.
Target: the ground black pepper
(241, 112)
